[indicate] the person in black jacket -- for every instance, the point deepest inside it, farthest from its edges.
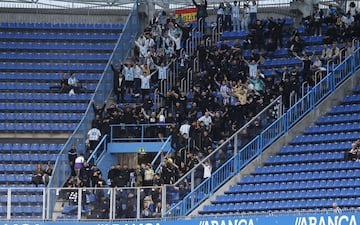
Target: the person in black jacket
(72, 154)
(201, 13)
(119, 82)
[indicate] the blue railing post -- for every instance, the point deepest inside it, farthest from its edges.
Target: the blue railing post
(312, 100)
(111, 133)
(142, 133)
(260, 143)
(286, 121)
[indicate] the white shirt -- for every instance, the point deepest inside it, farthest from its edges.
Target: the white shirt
(252, 8)
(142, 48)
(176, 40)
(137, 71)
(220, 11)
(252, 70)
(246, 12)
(206, 120)
(94, 134)
(145, 82)
(224, 90)
(149, 43)
(235, 10)
(347, 20)
(128, 73)
(207, 171)
(162, 72)
(184, 129)
(79, 159)
(72, 81)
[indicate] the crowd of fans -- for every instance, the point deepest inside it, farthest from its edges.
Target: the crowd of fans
(228, 91)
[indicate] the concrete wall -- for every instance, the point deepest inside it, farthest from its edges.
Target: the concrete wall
(86, 16)
(332, 100)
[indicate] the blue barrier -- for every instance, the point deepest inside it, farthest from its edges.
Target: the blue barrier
(258, 144)
(138, 132)
(305, 218)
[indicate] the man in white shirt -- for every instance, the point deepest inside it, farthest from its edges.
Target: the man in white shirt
(74, 84)
(207, 169)
(206, 119)
(138, 72)
(128, 72)
(253, 12)
(93, 135)
(235, 17)
(184, 129)
(347, 19)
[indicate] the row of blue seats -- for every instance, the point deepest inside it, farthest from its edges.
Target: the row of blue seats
(27, 157)
(314, 175)
(318, 138)
(306, 157)
(42, 107)
(64, 117)
(73, 46)
(280, 205)
(11, 76)
(331, 128)
(21, 168)
(281, 195)
(30, 209)
(34, 86)
(279, 62)
(47, 36)
(57, 67)
(243, 33)
(62, 26)
(341, 118)
(34, 217)
(38, 127)
(308, 40)
(294, 185)
(15, 178)
(54, 56)
(345, 109)
(21, 188)
(32, 147)
(326, 147)
(357, 89)
(310, 166)
(57, 97)
(15, 199)
(351, 99)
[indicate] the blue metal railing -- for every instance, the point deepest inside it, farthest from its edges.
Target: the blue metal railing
(159, 156)
(259, 143)
(98, 152)
(138, 132)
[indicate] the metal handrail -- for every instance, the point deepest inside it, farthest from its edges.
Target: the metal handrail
(318, 74)
(330, 61)
(293, 98)
(303, 88)
(95, 156)
(188, 174)
(160, 154)
(259, 143)
(140, 138)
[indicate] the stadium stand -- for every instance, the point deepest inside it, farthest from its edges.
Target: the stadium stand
(36, 120)
(34, 59)
(311, 172)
